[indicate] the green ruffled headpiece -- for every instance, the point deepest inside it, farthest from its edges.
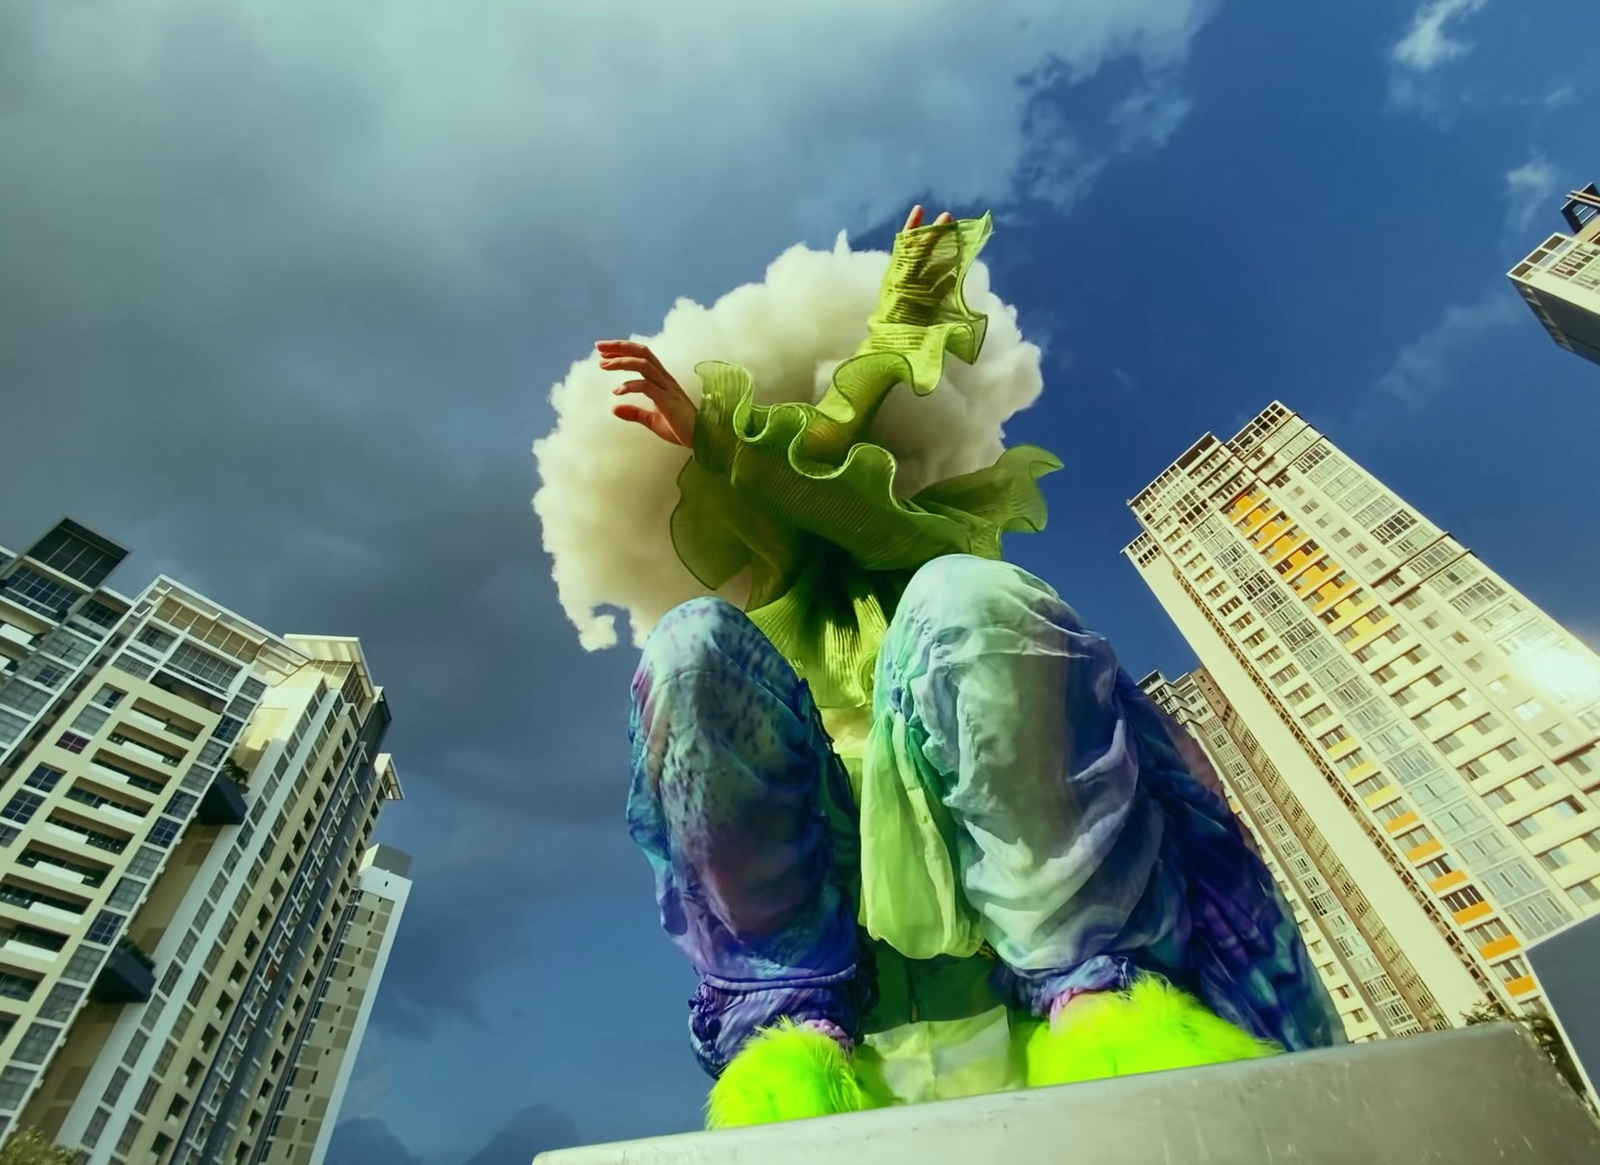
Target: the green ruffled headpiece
(798, 494)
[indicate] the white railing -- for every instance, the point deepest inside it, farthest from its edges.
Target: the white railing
(28, 950)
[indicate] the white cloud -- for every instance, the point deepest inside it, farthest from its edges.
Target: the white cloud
(1425, 367)
(609, 488)
(1428, 44)
(1530, 190)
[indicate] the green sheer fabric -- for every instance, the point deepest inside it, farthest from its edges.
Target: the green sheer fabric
(799, 495)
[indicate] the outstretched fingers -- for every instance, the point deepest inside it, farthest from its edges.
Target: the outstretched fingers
(914, 219)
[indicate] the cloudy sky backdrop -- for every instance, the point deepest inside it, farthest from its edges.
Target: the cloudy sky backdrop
(284, 287)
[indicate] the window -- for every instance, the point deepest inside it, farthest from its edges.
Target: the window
(109, 697)
(1475, 663)
(209, 669)
(1333, 739)
(16, 986)
(1412, 838)
(1303, 692)
(1243, 621)
(1217, 591)
(1436, 869)
(36, 1044)
(1256, 638)
(164, 831)
(72, 742)
(1271, 655)
(1581, 765)
(22, 806)
(1459, 900)
(1487, 932)
(1431, 622)
(1317, 715)
(1341, 533)
(44, 778)
(1283, 676)
(1376, 783)
(60, 1002)
(1513, 968)
(1556, 734)
(1392, 811)
(34, 591)
(1450, 742)
(1554, 859)
(1527, 827)
(1528, 709)
(1512, 749)
(153, 636)
(1353, 759)
(104, 928)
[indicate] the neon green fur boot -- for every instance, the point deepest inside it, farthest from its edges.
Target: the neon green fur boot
(1150, 1028)
(786, 1072)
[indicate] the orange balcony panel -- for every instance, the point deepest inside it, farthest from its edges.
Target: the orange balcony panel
(1362, 771)
(1522, 985)
(1402, 822)
(1381, 795)
(1449, 882)
(1474, 912)
(1500, 946)
(1426, 850)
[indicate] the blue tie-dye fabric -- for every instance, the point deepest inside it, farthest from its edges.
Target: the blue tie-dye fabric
(1091, 839)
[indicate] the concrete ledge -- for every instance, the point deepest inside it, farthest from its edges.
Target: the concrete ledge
(1476, 1095)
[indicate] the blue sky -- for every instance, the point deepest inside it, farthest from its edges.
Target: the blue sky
(286, 289)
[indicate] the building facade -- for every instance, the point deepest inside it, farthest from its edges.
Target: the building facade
(308, 1108)
(186, 802)
(1435, 727)
(1362, 965)
(1560, 281)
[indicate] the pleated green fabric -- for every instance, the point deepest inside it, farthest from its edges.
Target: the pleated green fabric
(798, 494)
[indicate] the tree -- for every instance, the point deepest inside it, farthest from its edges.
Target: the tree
(31, 1147)
(1536, 1023)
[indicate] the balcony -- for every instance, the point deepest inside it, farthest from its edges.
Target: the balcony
(223, 803)
(129, 976)
(84, 835)
(1472, 1096)
(137, 716)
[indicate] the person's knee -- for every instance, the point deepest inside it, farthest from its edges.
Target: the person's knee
(963, 590)
(691, 634)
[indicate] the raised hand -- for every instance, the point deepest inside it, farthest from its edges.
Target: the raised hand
(914, 220)
(673, 417)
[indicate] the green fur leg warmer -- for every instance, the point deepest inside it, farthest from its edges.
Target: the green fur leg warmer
(1150, 1028)
(784, 1073)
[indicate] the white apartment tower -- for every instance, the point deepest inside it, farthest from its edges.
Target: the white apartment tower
(326, 1054)
(185, 802)
(1561, 279)
(1374, 985)
(1424, 721)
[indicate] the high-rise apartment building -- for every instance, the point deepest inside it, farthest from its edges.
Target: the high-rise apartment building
(1561, 279)
(185, 802)
(1374, 985)
(1431, 733)
(303, 1123)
